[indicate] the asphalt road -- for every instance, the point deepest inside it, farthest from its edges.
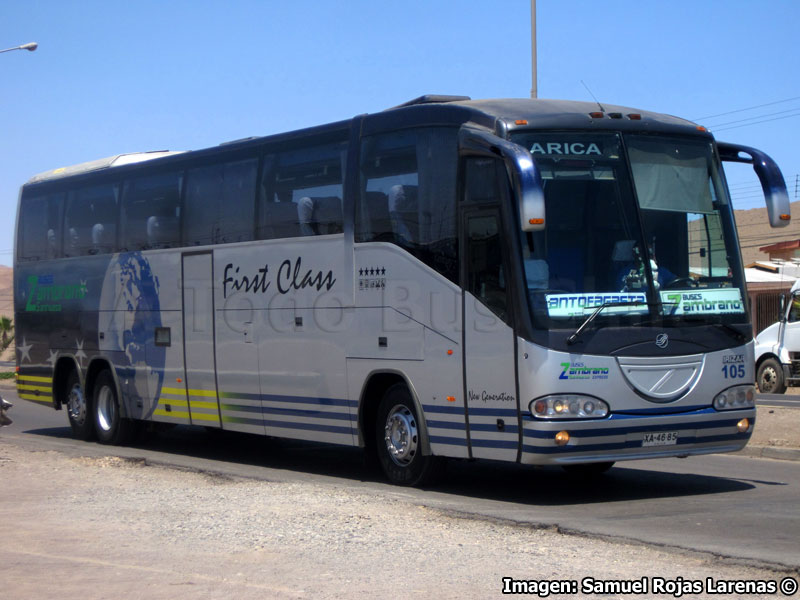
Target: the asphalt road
(780, 400)
(728, 505)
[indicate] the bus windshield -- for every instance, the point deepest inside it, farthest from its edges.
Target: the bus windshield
(639, 224)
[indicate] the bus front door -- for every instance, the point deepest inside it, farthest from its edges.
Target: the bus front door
(489, 362)
(198, 339)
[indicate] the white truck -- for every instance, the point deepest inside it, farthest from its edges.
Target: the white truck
(778, 348)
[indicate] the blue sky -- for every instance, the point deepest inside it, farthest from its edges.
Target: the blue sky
(112, 77)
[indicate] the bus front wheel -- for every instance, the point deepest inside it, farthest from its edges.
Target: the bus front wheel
(398, 442)
(78, 409)
(111, 427)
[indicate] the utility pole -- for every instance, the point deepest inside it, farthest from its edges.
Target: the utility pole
(534, 85)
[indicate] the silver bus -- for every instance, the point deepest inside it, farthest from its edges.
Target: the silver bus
(533, 281)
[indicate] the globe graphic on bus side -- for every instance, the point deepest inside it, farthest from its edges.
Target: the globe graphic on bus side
(130, 312)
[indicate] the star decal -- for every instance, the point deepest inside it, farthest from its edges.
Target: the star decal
(24, 350)
(80, 354)
(53, 358)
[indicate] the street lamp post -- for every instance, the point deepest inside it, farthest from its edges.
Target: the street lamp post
(30, 47)
(534, 75)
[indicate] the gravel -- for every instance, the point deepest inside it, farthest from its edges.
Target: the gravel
(117, 528)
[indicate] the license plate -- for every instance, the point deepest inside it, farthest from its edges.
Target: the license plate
(662, 438)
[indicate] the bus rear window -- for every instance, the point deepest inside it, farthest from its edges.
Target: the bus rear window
(40, 228)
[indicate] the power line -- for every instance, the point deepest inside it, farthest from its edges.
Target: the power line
(780, 112)
(754, 123)
(731, 112)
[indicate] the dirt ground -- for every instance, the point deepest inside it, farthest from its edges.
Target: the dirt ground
(777, 427)
(91, 528)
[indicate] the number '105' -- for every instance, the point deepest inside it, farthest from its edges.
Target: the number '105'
(733, 371)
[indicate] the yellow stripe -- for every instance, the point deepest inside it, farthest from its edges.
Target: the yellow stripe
(35, 388)
(173, 391)
(169, 402)
(173, 414)
(203, 393)
(35, 378)
(182, 392)
(202, 417)
(201, 404)
(39, 399)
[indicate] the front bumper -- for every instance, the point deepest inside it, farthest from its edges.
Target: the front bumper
(621, 436)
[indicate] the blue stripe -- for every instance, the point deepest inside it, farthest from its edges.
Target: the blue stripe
(638, 414)
(309, 427)
(632, 414)
(242, 421)
(290, 399)
(602, 432)
(630, 444)
(495, 443)
(307, 413)
(440, 439)
(482, 412)
(446, 410)
(491, 427)
(296, 412)
(302, 400)
(446, 425)
(494, 412)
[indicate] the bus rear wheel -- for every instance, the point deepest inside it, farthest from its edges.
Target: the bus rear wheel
(398, 441)
(78, 409)
(111, 427)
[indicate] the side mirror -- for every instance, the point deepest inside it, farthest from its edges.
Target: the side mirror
(526, 180)
(772, 183)
(783, 307)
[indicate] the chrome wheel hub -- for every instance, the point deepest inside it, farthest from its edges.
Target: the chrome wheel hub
(401, 436)
(76, 405)
(106, 408)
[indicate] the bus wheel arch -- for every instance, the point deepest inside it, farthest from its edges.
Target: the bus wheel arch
(70, 390)
(377, 385)
(399, 440)
(392, 429)
(108, 412)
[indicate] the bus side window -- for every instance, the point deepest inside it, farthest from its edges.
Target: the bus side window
(90, 221)
(220, 203)
(40, 228)
(301, 192)
(408, 194)
(151, 212)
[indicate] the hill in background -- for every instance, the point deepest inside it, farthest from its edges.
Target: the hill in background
(755, 232)
(6, 292)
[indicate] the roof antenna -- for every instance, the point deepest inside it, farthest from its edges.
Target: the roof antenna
(593, 96)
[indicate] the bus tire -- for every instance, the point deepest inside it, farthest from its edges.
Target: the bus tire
(79, 409)
(111, 427)
(770, 377)
(588, 469)
(398, 441)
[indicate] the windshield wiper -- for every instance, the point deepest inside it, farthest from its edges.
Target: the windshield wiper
(574, 337)
(699, 322)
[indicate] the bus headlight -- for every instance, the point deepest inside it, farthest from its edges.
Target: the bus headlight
(568, 406)
(736, 398)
